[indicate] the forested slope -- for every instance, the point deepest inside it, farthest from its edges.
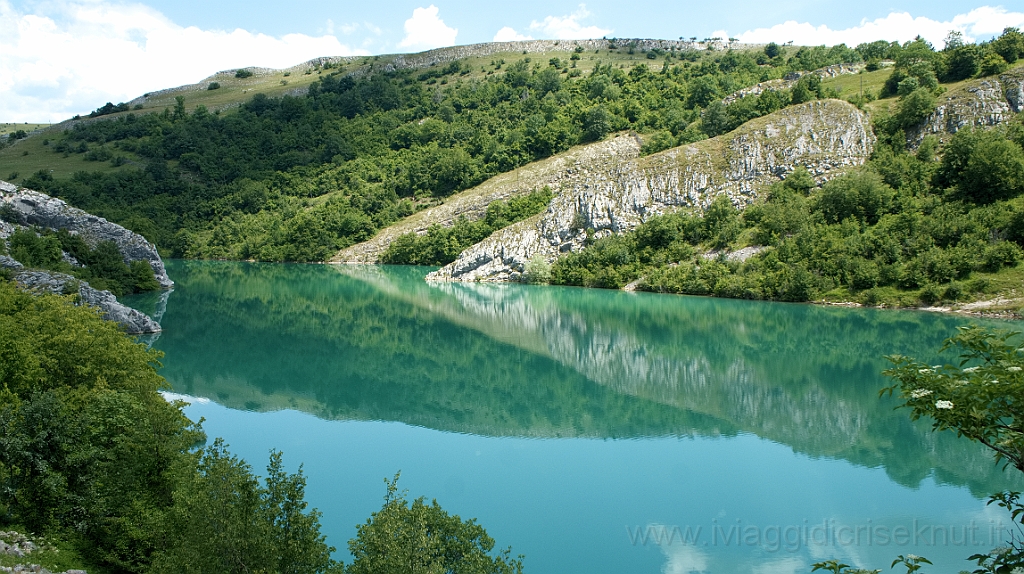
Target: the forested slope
(297, 177)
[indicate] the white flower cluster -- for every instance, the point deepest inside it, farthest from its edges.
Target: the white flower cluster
(919, 393)
(924, 371)
(1013, 369)
(971, 369)
(944, 405)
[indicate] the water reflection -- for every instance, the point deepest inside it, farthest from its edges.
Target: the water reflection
(377, 343)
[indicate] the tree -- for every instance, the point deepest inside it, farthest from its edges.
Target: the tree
(715, 119)
(225, 521)
(980, 398)
(1009, 45)
(982, 166)
(597, 122)
(424, 539)
(915, 106)
(861, 194)
(962, 62)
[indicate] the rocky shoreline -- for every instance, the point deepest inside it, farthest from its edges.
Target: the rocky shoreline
(31, 208)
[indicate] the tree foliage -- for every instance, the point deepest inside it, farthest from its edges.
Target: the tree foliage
(90, 452)
(421, 538)
(441, 245)
(978, 397)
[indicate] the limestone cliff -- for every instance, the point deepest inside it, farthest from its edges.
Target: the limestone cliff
(615, 196)
(34, 208)
(133, 321)
(37, 209)
(982, 103)
(552, 172)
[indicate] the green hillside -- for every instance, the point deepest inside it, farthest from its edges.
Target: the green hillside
(293, 165)
(360, 143)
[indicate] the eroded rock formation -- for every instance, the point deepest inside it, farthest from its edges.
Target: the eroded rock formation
(981, 103)
(615, 196)
(37, 209)
(34, 208)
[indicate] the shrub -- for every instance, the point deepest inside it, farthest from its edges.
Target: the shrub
(537, 270)
(242, 74)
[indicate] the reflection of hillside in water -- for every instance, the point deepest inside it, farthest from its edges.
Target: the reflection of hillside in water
(379, 343)
(801, 375)
(264, 337)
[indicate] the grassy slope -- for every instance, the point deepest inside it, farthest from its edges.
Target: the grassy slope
(8, 128)
(29, 155)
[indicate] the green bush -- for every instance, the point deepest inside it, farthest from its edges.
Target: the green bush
(982, 166)
(442, 245)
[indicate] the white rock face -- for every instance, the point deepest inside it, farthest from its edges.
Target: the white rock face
(36, 208)
(616, 196)
(134, 322)
(986, 102)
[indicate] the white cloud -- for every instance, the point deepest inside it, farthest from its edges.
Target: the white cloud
(569, 27)
(508, 34)
(425, 31)
(351, 28)
(80, 54)
(978, 24)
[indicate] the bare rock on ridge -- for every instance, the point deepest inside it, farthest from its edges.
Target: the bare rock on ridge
(981, 103)
(825, 136)
(134, 322)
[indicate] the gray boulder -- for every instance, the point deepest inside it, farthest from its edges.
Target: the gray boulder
(134, 322)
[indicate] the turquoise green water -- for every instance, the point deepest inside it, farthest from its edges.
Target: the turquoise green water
(592, 431)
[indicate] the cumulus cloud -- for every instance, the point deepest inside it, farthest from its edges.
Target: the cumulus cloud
(568, 27)
(79, 54)
(425, 31)
(508, 34)
(978, 24)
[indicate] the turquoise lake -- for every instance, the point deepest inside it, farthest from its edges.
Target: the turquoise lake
(591, 431)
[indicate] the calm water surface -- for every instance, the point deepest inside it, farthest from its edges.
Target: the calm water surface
(592, 431)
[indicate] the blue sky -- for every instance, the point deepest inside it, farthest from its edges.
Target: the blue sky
(63, 57)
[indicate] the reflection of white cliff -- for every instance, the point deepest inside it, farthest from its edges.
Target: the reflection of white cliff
(621, 360)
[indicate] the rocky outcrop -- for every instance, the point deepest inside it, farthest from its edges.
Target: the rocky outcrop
(791, 79)
(34, 208)
(553, 172)
(134, 322)
(20, 546)
(981, 103)
(824, 136)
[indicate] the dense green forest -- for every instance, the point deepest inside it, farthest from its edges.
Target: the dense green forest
(296, 178)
